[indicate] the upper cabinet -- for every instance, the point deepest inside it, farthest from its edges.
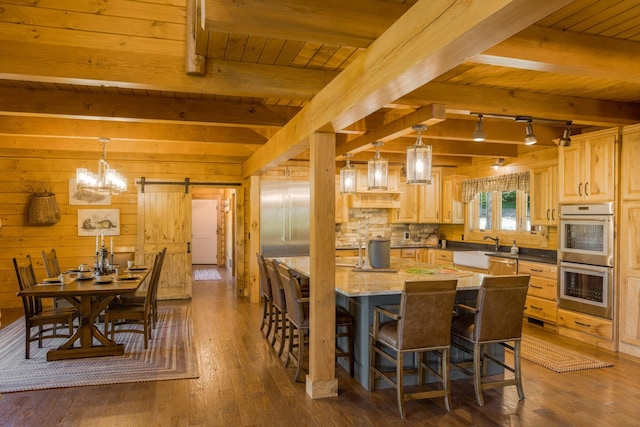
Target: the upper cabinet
(587, 168)
(342, 204)
(429, 208)
(407, 211)
(452, 206)
(544, 195)
(630, 163)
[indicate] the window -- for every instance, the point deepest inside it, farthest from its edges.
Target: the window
(500, 211)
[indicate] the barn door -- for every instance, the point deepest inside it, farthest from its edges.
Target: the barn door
(164, 220)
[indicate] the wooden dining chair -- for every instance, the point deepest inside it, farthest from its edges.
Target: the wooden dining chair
(496, 318)
(52, 268)
(122, 254)
(140, 299)
(123, 317)
(422, 325)
(46, 320)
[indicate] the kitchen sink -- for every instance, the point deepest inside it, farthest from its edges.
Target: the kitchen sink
(475, 259)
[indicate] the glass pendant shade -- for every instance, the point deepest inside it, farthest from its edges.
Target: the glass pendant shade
(378, 171)
(348, 178)
(419, 160)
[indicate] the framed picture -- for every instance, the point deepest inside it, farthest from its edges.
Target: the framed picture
(80, 197)
(96, 222)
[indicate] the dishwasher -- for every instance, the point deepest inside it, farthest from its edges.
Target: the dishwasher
(499, 266)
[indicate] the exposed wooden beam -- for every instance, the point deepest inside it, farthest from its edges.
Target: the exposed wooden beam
(464, 99)
(354, 23)
(568, 52)
(430, 115)
(128, 69)
(454, 148)
(195, 61)
(122, 107)
(418, 47)
(92, 129)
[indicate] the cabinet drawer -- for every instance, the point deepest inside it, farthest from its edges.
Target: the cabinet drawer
(444, 255)
(596, 326)
(409, 253)
(542, 309)
(543, 288)
(550, 271)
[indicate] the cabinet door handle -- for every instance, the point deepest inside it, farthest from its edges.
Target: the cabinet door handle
(553, 214)
(537, 270)
(535, 287)
(535, 308)
(580, 189)
(582, 324)
(586, 189)
(548, 211)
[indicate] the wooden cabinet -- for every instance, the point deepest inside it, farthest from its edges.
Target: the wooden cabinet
(542, 297)
(544, 195)
(429, 200)
(342, 204)
(409, 253)
(422, 255)
(442, 258)
(288, 172)
(586, 169)
(407, 211)
(630, 163)
(452, 206)
(583, 327)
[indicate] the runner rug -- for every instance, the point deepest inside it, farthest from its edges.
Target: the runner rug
(557, 358)
(205, 273)
(171, 355)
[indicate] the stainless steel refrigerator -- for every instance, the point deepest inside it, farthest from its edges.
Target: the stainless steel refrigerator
(284, 218)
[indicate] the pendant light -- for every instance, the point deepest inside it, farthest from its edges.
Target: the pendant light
(378, 169)
(348, 177)
(419, 159)
(107, 180)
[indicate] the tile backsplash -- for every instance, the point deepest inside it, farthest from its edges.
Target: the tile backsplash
(379, 226)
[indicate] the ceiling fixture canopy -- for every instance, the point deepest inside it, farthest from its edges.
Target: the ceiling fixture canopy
(107, 180)
(348, 177)
(419, 157)
(378, 170)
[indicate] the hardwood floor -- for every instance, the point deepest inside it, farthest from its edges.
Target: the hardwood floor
(242, 382)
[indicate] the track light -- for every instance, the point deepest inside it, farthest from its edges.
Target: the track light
(478, 134)
(565, 140)
(529, 138)
(498, 164)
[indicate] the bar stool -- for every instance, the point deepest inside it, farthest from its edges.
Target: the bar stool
(279, 305)
(495, 319)
(345, 325)
(267, 297)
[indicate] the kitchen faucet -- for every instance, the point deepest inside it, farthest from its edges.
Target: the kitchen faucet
(495, 239)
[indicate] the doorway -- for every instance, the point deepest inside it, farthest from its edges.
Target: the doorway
(204, 229)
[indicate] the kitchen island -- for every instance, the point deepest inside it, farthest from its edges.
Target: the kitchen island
(359, 291)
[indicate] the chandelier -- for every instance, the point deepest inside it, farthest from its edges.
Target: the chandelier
(107, 180)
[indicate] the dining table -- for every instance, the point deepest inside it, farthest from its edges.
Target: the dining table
(359, 291)
(89, 297)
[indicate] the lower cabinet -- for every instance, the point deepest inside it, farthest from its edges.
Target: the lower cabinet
(542, 298)
(442, 258)
(583, 327)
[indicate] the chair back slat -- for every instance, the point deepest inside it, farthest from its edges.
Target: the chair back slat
(501, 303)
(51, 265)
(265, 281)
(27, 278)
(276, 285)
(426, 310)
(296, 311)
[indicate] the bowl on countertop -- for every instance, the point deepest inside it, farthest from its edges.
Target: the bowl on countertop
(103, 278)
(84, 274)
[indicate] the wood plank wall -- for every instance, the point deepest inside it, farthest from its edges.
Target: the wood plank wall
(22, 170)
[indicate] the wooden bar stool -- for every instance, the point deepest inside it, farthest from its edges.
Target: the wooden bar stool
(345, 329)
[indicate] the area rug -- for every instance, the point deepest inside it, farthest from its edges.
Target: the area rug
(171, 355)
(557, 358)
(205, 273)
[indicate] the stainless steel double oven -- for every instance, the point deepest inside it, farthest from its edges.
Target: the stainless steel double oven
(586, 258)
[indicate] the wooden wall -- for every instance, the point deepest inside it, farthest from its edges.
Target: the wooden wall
(22, 170)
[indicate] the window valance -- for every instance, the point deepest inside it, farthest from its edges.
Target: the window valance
(509, 182)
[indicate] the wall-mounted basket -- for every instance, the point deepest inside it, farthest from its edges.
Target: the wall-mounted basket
(44, 209)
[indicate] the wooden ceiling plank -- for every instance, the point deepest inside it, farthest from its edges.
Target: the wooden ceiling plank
(354, 23)
(37, 62)
(551, 50)
(433, 38)
(430, 115)
(465, 99)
